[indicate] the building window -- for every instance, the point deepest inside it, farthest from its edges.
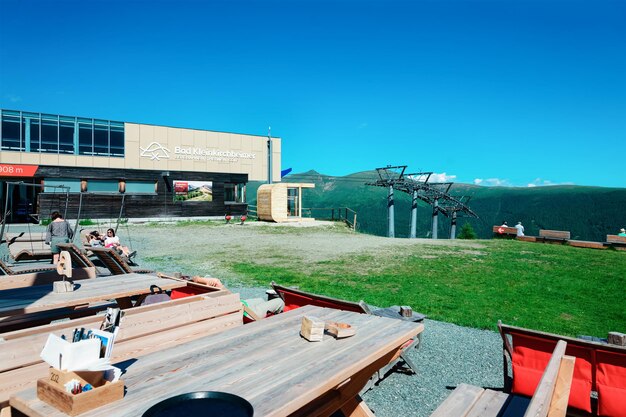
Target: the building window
(11, 131)
(140, 187)
(103, 186)
(234, 193)
(49, 133)
(51, 185)
(36, 132)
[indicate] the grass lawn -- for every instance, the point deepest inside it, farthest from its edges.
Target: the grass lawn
(560, 289)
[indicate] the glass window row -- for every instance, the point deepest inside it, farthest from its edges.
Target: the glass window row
(38, 132)
(51, 185)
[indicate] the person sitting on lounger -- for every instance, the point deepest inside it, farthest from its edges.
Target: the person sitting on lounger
(260, 307)
(94, 239)
(112, 241)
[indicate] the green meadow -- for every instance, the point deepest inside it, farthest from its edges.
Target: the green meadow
(560, 289)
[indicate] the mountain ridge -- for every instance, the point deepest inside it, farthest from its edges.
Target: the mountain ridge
(588, 212)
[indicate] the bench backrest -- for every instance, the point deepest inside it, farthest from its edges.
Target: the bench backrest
(529, 350)
(294, 298)
(501, 230)
(616, 239)
(554, 234)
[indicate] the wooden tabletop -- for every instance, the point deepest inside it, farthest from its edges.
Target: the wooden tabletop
(41, 297)
(265, 362)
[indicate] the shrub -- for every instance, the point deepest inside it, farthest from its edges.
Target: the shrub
(467, 232)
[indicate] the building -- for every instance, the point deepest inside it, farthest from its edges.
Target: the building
(141, 170)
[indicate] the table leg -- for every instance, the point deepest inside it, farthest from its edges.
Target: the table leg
(356, 407)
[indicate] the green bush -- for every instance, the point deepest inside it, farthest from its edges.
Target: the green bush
(467, 232)
(87, 222)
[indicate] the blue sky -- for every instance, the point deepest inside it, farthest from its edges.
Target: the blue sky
(490, 92)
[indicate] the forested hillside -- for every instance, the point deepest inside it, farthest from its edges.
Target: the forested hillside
(589, 213)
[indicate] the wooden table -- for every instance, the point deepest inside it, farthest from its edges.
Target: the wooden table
(265, 362)
(42, 298)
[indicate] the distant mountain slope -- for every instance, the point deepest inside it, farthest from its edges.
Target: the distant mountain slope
(589, 213)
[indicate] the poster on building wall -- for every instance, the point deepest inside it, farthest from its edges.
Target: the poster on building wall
(193, 190)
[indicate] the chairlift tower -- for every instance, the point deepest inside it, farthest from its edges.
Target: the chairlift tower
(389, 177)
(455, 208)
(415, 182)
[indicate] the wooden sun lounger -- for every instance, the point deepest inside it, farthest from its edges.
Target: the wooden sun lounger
(23, 246)
(115, 263)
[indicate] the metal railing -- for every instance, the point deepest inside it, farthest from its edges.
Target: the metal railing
(343, 214)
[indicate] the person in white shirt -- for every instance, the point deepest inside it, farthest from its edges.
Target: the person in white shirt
(520, 229)
(112, 241)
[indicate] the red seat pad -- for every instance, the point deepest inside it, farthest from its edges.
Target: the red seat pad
(530, 358)
(611, 383)
(188, 291)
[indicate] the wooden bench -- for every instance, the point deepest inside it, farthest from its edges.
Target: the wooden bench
(504, 232)
(143, 330)
(599, 381)
(618, 242)
(28, 246)
(549, 398)
(554, 236)
(586, 244)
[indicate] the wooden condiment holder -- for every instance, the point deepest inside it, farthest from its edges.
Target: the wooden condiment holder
(51, 390)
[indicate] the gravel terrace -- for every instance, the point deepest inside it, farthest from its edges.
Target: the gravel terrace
(449, 354)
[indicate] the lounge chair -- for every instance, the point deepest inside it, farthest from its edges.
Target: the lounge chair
(25, 247)
(115, 263)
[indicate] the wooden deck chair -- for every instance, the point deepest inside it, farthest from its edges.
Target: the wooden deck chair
(294, 298)
(79, 259)
(115, 263)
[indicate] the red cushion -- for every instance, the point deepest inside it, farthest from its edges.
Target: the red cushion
(611, 383)
(188, 291)
(530, 358)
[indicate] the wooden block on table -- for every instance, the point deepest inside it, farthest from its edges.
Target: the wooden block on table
(616, 338)
(312, 329)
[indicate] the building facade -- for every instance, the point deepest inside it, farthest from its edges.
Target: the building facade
(103, 168)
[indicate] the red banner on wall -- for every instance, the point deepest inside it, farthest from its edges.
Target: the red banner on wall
(181, 187)
(13, 170)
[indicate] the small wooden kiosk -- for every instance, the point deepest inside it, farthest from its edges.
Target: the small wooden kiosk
(281, 202)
